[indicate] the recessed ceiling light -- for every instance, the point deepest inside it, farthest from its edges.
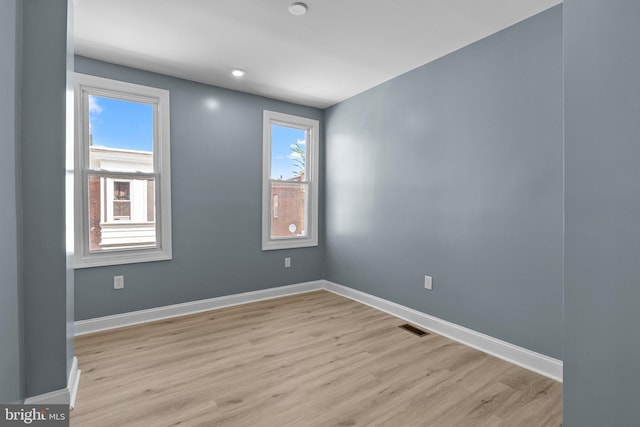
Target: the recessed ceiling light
(298, 8)
(237, 72)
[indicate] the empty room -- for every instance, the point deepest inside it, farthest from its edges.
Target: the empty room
(320, 213)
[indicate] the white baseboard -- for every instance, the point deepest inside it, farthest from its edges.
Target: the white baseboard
(89, 326)
(64, 396)
(520, 356)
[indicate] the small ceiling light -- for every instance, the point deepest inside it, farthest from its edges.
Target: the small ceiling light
(237, 72)
(298, 8)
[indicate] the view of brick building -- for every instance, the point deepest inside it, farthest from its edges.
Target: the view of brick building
(288, 208)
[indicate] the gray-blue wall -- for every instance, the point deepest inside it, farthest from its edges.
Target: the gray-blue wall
(454, 170)
(216, 171)
(602, 213)
(44, 74)
(11, 349)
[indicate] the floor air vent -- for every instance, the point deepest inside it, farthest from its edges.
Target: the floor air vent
(413, 330)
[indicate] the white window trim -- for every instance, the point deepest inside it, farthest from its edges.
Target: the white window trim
(269, 118)
(162, 166)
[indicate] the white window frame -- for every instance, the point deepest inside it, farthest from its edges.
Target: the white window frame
(311, 179)
(159, 98)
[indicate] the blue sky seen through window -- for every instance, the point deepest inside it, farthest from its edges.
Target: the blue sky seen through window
(121, 124)
(288, 151)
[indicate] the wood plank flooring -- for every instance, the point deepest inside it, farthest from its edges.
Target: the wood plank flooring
(314, 359)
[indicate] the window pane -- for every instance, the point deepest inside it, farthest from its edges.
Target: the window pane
(121, 209)
(289, 219)
(121, 213)
(288, 153)
(120, 135)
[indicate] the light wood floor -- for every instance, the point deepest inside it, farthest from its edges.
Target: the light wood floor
(314, 359)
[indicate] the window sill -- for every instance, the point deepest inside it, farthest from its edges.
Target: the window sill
(122, 257)
(271, 245)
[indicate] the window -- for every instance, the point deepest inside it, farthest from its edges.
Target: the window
(123, 184)
(121, 201)
(290, 181)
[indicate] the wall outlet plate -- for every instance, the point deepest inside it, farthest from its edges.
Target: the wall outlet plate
(428, 282)
(287, 262)
(118, 282)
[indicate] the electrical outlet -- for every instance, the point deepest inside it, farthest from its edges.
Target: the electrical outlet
(287, 262)
(428, 282)
(118, 282)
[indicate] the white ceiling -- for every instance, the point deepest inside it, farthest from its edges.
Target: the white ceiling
(338, 49)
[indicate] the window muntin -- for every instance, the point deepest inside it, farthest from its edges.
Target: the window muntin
(290, 177)
(123, 211)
